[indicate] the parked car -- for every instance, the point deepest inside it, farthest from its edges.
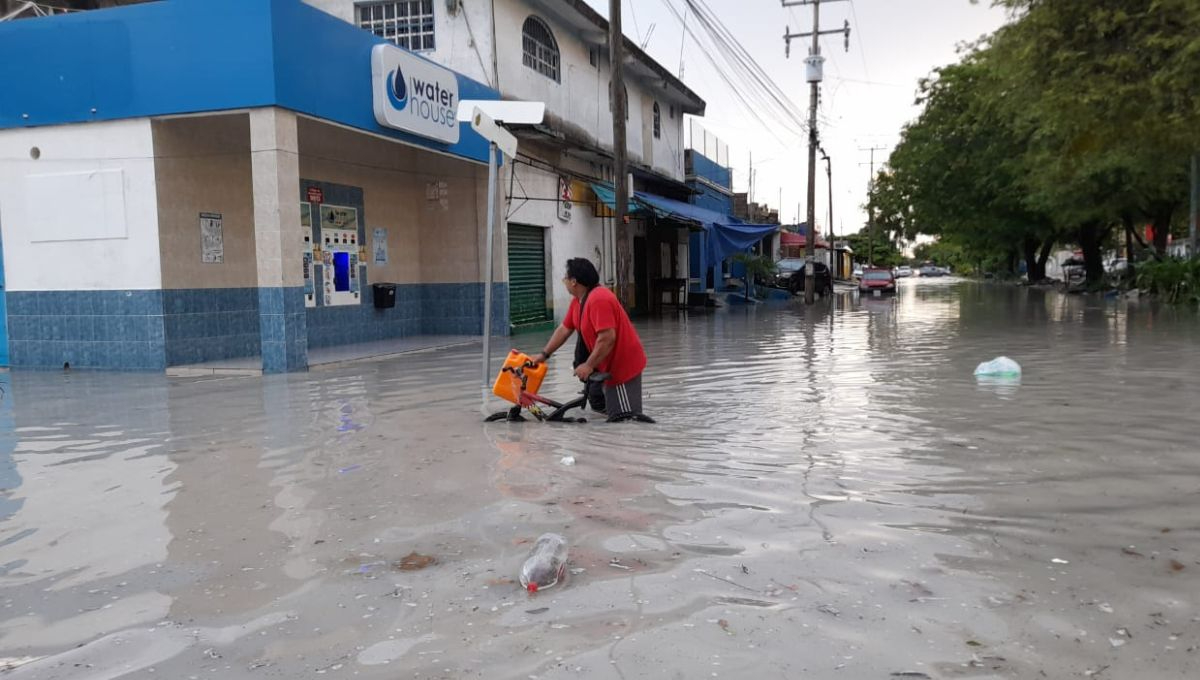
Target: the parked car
(930, 269)
(877, 282)
(1117, 267)
(791, 276)
(903, 271)
(858, 271)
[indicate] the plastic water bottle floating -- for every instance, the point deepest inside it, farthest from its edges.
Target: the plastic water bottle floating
(546, 563)
(1000, 367)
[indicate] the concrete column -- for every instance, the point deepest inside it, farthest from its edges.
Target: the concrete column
(275, 166)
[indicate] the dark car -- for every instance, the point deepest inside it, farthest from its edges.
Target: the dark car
(877, 282)
(791, 276)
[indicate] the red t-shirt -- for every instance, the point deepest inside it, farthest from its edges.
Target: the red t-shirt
(603, 311)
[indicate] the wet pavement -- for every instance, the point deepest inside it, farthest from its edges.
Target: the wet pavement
(829, 493)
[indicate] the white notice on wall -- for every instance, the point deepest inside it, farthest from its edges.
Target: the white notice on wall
(212, 240)
(379, 246)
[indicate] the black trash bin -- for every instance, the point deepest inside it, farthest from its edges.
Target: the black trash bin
(385, 295)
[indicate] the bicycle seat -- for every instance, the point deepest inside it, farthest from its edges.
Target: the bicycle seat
(599, 377)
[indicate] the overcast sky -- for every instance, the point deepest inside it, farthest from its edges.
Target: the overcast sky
(867, 95)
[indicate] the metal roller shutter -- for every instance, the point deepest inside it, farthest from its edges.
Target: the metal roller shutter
(527, 276)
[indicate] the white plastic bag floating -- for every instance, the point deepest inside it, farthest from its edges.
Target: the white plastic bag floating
(1000, 367)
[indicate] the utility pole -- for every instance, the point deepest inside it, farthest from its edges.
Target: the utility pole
(833, 251)
(616, 49)
(871, 205)
(815, 74)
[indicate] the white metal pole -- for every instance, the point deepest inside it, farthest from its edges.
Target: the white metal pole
(487, 285)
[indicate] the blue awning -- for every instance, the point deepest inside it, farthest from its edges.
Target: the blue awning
(608, 196)
(727, 235)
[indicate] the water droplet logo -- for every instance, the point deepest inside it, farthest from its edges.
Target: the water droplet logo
(397, 91)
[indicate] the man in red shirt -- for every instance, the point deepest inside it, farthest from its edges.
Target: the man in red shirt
(611, 344)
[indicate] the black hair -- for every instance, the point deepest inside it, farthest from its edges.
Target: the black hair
(583, 271)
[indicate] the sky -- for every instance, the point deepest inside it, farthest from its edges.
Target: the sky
(867, 96)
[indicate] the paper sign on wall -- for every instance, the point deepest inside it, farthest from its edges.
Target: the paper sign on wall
(379, 246)
(212, 239)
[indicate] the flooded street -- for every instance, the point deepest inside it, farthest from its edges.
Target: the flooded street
(829, 493)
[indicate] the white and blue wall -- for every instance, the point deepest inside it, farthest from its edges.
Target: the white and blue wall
(119, 127)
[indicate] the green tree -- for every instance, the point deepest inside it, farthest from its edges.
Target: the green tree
(885, 252)
(1075, 116)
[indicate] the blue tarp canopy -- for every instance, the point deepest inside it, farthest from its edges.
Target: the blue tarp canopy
(726, 235)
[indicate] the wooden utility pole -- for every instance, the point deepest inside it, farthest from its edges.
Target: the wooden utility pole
(815, 74)
(616, 53)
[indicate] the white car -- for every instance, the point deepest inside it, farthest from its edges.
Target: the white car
(858, 271)
(903, 271)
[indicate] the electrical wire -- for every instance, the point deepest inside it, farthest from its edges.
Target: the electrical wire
(746, 81)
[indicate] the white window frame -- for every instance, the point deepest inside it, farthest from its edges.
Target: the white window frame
(411, 24)
(545, 58)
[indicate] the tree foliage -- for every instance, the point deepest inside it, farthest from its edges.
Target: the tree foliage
(885, 251)
(1074, 116)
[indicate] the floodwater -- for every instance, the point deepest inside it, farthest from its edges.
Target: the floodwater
(829, 493)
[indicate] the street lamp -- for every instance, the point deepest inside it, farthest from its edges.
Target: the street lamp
(833, 252)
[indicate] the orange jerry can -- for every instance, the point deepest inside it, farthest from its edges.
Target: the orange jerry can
(508, 385)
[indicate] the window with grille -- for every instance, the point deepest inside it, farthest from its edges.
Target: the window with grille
(540, 48)
(657, 121)
(407, 23)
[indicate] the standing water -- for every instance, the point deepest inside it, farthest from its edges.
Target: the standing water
(829, 493)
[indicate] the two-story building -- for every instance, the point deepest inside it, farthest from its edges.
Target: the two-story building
(556, 51)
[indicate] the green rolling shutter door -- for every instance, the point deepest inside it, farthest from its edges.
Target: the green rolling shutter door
(527, 275)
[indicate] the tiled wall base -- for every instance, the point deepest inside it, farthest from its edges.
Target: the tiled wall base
(112, 329)
(210, 324)
(421, 309)
(150, 330)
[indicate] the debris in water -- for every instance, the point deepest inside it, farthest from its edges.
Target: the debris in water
(568, 460)
(1131, 551)
(911, 674)
(1094, 673)
(1176, 565)
(724, 626)
(1000, 367)
(1105, 607)
(829, 609)
(1059, 561)
(539, 610)
(1116, 642)
(616, 564)
(974, 643)
(414, 561)
(349, 468)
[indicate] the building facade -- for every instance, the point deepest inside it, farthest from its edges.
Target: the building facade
(555, 51)
(166, 202)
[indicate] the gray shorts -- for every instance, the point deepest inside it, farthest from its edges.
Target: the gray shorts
(625, 399)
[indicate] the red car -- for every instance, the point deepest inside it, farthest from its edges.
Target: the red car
(877, 282)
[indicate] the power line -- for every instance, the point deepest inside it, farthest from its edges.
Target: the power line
(861, 53)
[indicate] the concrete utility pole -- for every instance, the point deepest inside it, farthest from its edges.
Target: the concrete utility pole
(829, 175)
(871, 205)
(815, 74)
(616, 49)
